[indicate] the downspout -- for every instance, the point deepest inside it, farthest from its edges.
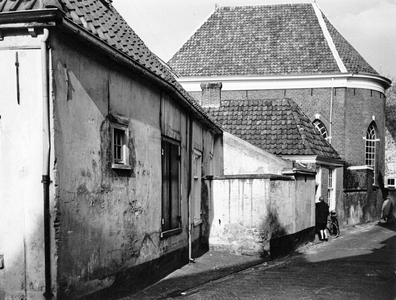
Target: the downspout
(46, 160)
(331, 110)
(190, 152)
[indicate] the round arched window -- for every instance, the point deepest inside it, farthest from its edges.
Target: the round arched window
(320, 127)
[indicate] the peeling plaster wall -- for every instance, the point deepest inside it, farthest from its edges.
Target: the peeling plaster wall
(109, 221)
(250, 207)
(249, 213)
(21, 195)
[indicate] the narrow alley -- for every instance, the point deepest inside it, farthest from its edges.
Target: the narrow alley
(360, 264)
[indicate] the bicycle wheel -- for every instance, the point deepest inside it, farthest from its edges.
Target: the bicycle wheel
(329, 229)
(335, 229)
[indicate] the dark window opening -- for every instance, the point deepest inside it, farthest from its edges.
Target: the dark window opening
(170, 185)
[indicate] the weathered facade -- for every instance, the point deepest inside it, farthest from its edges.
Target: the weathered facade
(292, 50)
(262, 205)
(101, 155)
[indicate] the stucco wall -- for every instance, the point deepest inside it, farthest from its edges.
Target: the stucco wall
(249, 211)
(21, 191)
(240, 157)
(108, 222)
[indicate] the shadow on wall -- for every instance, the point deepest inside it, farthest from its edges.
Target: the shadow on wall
(270, 239)
(279, 241)
(272, 230)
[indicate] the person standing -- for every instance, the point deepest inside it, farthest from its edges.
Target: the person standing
(386, 210)
(322, 213)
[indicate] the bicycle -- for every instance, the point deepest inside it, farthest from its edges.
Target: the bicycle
(332, 224)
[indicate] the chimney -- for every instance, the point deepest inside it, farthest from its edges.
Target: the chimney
(211, 94)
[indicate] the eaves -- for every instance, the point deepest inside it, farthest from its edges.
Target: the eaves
(55, 17)
(316, 159)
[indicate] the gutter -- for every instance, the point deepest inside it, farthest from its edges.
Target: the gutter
(34, 15)
(46, 161)
(297, 81)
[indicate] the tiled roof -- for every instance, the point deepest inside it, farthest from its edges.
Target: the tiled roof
(277, 126)
(265, 40)
(101, 19)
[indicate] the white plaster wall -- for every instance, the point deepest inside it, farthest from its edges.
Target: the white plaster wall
(21, 197)
(247, 213)
(240, 210)
(241, 157)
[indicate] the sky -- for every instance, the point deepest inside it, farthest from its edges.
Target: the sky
(165, 25)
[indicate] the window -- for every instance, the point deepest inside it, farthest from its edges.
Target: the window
(391, 182)
(321, 128)
(120, 153)
(330, 190)
(171, 220)
(370, 148)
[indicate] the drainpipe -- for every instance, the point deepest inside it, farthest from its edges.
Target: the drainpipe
(331, 110)
(46, 159)
(190, 152)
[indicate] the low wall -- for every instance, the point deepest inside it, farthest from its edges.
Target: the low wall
(362, 199)
(249, 211)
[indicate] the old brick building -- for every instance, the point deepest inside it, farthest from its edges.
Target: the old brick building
(293, 51)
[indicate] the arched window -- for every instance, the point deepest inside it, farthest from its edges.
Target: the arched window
(321, 128)
(370, 147)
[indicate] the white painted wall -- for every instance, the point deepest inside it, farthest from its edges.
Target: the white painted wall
(21, 200)
(241, 157)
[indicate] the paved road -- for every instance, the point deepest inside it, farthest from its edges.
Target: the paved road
(360, 264)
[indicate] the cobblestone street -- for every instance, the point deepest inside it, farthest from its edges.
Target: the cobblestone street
(360, 264)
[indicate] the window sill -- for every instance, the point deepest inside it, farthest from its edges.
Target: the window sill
(167, 233)
(197, 222)
(121, 166)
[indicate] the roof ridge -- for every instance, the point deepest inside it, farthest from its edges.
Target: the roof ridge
(368, 68)
(268, 4)
(328, 38)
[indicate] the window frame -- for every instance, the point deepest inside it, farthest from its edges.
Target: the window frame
(331, 188)
(321, 127)
(122, 163)
(371, 140)
(392, 185)
(169, 205)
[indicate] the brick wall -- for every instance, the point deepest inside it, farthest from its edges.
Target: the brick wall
(352, 112)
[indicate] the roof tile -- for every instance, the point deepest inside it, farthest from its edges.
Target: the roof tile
(271, 134)
(264, 40)
(101, 19)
